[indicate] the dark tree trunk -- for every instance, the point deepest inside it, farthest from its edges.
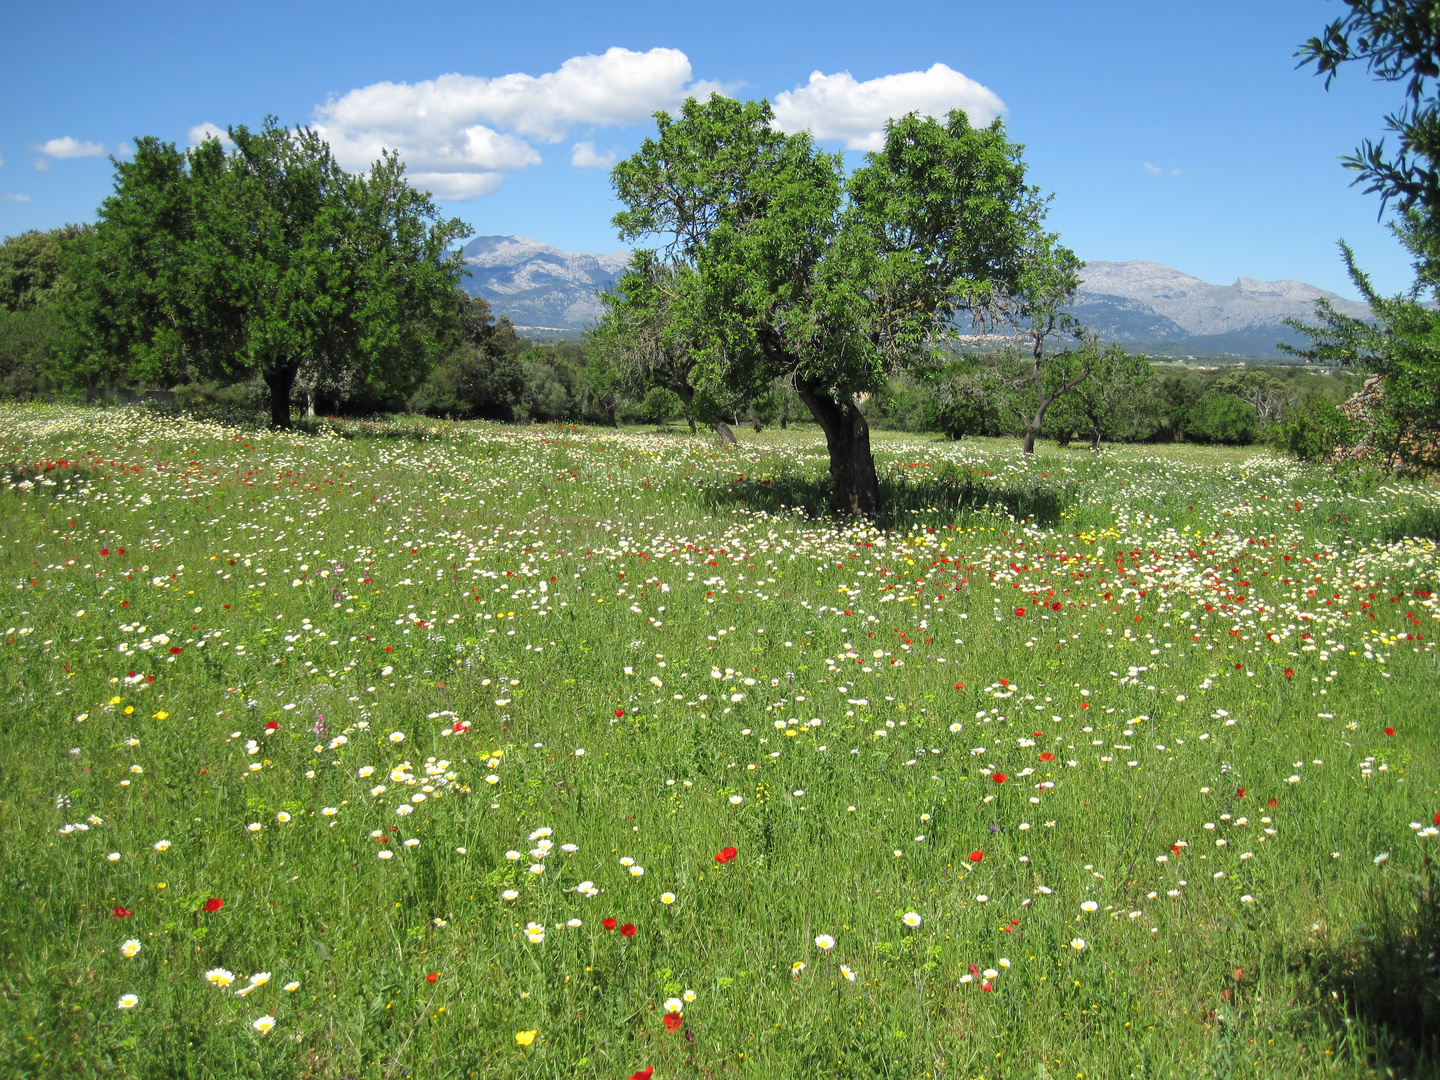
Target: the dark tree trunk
(280, 378)
(1030, 438)
(855, 488)
(723, 433)
(1095, 439)
(686, 393)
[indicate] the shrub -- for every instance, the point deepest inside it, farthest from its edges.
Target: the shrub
(1221, 418)
(1313, 430)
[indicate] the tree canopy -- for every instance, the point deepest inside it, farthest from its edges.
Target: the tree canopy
(269, 260)
(773, 263)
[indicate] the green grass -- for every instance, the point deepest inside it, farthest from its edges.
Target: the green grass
(1195, 622)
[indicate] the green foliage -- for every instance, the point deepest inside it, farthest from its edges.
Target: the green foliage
(544, 395)
(1106, 404)
(776, 266)
(478, 373)
(1401, 343)
(269, 261)
(658, 405)
(32, 284)
(27, 342)
(32, 266)
(1313, 430)
(1220, 418)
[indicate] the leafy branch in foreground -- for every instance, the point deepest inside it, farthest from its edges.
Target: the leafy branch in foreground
(1401, 345)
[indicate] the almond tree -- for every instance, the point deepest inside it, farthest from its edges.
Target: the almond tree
(789, 269)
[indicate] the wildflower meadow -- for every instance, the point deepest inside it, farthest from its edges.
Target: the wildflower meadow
(411, 749)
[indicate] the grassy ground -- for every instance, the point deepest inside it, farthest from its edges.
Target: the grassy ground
(1078, 766)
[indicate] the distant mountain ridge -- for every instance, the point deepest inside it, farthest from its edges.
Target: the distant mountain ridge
(538, 285)
(1144, 302)
(1136, 302)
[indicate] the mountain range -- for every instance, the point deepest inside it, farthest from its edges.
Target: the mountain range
(1137, 302)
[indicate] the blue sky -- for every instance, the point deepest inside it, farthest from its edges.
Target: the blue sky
(1180, 133)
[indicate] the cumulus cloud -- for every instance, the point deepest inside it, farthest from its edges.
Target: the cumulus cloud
(837, 107)
(13, 196)
(68, 147)
(473, 129)
(583, 155)
(456, 186)
(1156, 170)
(200, 132)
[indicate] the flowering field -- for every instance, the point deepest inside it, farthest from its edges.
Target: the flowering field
(482, 751)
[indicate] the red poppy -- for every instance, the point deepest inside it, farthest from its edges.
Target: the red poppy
(389, 648)
(619, 712)
(1273, 803)
(999, 777)
(1084, 704)
(1437, 819)
(175, 650)
(104, 551)
(434, 976)
(643, 1074)
(673, 1021)
(959, 686)
(214, 904)
(986, 986)
(1175, 849)
(628, 930)
(724, 855)
(609, 924)
(1047, 756)
(1289, 673)
(1019, 612)
(1239, 793)
(974, 970)
(976, 856)
(272, 726)
(121, 913)
(1004, 682)
(1390, 731)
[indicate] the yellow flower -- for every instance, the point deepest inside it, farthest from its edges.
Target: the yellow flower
(115, 701)
(161, 715)
(129, 709)
(525, 1038)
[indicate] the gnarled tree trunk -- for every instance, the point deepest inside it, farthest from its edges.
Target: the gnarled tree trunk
(855, 488)
(280, 378)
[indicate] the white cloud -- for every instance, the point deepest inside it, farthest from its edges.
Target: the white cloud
(583, 155)
(837, 107)
(456, 186)
(41, 164)
(68, 147)
(200, 132)
(1156, 170)
(473, 129)
(12, 196)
